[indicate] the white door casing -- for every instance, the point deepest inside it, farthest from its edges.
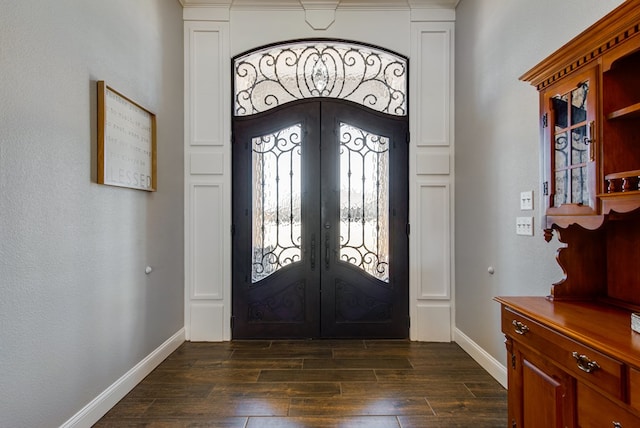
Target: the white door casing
(212, 35)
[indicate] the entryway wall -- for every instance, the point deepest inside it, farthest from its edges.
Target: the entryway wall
(217, 30)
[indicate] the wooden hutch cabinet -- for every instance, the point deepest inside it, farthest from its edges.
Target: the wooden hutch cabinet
(573, 358)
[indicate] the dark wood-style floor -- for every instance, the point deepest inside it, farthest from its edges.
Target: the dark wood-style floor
(283, 384)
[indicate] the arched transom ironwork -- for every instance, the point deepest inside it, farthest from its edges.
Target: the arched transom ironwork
(275, 75)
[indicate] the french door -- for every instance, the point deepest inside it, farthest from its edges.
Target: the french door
(320, 214)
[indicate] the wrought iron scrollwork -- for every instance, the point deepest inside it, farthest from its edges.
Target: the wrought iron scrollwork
(353, 304)
(572, 146)
(364, 196)
(285, 304)
(276, 201)
(275, 75)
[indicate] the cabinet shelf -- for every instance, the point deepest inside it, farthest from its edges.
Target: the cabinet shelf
(624, 174)
(622, 182)
(589, 222)
(620, 202)
(631, 111)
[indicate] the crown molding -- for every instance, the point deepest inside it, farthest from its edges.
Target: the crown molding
(319, 14)
(322, 4)
(205, 3)
(433, 4)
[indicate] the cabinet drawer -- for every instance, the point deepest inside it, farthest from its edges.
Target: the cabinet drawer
(596, 411)
(582, 362)
(634, 388)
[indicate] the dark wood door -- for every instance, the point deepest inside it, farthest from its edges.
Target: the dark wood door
(320, 212)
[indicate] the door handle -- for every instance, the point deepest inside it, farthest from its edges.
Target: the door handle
(313, 251)
(591, 141)
(326, 251)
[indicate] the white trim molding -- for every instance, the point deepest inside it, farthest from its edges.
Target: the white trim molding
(432, 285)
(424, 32)
(207, 194)
(425, 4)
(482, 357)
(99, 406)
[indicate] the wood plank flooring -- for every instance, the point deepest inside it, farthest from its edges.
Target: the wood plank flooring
(314, 384)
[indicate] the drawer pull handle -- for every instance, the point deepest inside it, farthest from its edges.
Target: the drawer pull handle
(617, 425)
(585, 364)
(520, 327)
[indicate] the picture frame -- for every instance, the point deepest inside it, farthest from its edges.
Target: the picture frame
(126, 141)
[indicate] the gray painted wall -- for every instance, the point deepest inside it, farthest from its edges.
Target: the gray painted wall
(497, 150)
(76, 308)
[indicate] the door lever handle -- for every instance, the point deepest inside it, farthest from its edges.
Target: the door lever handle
(326, 251)
(312, 257)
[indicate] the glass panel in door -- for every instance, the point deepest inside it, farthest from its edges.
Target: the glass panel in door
(571, 145)
(364, 200)
(277, 179)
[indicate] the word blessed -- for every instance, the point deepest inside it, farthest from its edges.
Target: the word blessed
(129, 178)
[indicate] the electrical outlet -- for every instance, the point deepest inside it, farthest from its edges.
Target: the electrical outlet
(524, 226)
(526, 200)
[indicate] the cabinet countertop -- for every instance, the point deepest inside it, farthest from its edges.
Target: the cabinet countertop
(603, 327)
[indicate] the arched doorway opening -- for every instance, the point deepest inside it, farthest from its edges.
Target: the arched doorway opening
(320, 192)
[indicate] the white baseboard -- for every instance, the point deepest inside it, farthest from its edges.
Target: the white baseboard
(482, 357)
(100, 405)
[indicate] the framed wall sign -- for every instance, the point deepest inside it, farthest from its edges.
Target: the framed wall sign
(126, 141)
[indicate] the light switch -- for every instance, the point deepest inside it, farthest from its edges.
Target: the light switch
(526, 200)
(524, 226)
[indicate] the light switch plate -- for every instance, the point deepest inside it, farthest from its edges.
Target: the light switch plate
(524, 226)
(526, 200)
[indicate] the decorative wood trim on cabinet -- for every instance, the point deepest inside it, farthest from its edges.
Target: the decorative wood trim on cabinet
(603, 63)
(581, 263)
(608, 33)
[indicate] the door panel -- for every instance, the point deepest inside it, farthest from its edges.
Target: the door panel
(365, 291)
(320, 214)
(281, 298)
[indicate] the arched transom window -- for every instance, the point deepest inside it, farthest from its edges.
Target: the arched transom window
(277, 74)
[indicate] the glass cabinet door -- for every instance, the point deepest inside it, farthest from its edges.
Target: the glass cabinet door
(571, 146)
